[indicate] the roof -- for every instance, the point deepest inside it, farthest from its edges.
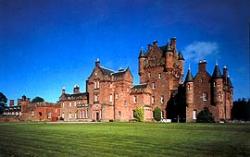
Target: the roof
(76, 95)
(189, 77)
(180, 56)
(229, 82)
(106, 71)
(120, 72)
(140, 86)
(216, 73)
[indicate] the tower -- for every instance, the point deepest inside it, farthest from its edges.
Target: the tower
(217, 89)
(189, 86)
(141, 62)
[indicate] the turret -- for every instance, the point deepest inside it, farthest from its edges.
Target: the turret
(189, 86)
(181, 62)
(217, 83)
(225, 74)
(142, 59)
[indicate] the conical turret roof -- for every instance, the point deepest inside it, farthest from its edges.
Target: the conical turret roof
(189, 77)
(216, 73)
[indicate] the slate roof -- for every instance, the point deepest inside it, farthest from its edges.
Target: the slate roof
(106, 71)
(140, 86)
(216, 73)
(189, 77)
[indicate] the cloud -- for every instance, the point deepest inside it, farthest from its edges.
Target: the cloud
(200, 50)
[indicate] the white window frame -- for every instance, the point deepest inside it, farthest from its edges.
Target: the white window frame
(162, 99)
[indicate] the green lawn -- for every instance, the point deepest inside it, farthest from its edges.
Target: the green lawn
(124, 139)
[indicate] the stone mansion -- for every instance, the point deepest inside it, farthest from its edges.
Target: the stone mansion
(111, 95)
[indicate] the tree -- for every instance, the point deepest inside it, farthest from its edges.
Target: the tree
(139, 114)
(157, 114)
(241, 109)
(3, 101)
(37, 99)
(205, 116)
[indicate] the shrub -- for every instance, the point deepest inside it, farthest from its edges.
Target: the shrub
(157, 114)
(139, 114)
(205, 116)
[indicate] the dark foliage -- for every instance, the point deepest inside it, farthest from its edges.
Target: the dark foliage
(241, 110)
(37, 99)
(3, 101)
(205, 116)
(157, 114)
(176, 106)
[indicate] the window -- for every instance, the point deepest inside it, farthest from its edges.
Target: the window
(70, 104)
(96, 98)
(135, 99)
(194, 114)
(204, 96)
(120, 113)
(62, 115)
(162, 99)
(159, 75)
(153, 100)
(125, 103)
(188, 86)
(75, 103)
(96, 84)
(214, 84)
(153, 85)
(63, 104)
(69, 115)
(32, 113)
(149, 75)
(75, 116)
(111, 98)
(49, 114)
(116, 96)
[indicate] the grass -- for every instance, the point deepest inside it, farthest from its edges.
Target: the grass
(124, 139)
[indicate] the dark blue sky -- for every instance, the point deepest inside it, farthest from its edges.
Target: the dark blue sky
(48, 44)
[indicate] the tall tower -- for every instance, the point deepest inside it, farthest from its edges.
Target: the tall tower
(189, 86)
(217, 89)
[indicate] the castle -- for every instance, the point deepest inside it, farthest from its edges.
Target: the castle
(111, 95)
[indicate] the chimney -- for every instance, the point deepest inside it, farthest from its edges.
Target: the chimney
(63, 90)
(76, 89)
(97, 62)
(202, 65)
(11, 103)
(173, 42)
(155, 43)
(149, 47)
(24, 98)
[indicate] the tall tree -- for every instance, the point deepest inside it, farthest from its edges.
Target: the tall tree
(3, 101)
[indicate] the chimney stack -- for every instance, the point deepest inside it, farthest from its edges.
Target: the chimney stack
(97, 62)
(63, 90)
(11, 103)
(173, 42)
(76, 89)
(202, 65)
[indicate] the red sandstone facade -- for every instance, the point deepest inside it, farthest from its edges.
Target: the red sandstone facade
(111, 96)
